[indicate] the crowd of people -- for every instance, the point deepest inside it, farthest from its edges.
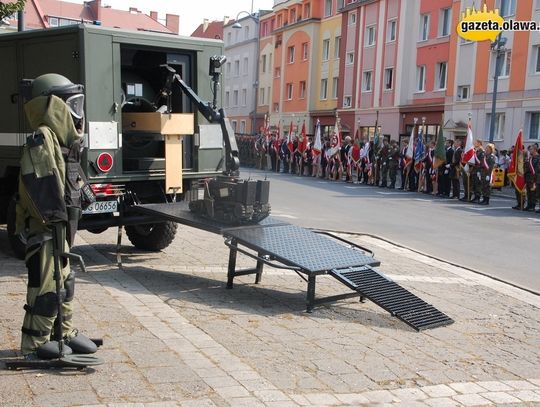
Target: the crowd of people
(465, 175)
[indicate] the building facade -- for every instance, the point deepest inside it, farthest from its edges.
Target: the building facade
(240, 83)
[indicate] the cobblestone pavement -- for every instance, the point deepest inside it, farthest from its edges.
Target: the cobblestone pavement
(174, 336)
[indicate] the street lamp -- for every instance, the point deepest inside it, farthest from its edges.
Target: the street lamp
(238, 26)
(498, 47)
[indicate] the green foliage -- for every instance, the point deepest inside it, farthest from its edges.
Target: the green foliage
(7, 9)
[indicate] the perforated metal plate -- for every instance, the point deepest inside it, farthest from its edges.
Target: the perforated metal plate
(296, 246)
(392, 297)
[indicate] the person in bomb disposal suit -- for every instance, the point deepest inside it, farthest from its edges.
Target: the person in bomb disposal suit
(49, 206)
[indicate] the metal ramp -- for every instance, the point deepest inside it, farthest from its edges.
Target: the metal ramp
(309, 254)
(393, 298)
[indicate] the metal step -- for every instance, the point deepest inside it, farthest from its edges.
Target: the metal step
(392, 297)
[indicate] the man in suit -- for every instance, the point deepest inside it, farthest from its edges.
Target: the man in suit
(455, 169)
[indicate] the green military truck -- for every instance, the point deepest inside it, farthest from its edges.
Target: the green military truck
(134, 152)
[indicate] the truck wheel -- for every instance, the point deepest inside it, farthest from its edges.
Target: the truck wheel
(153, 237)
(17, 243)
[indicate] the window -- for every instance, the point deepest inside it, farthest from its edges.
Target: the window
(498, 134)
(229, 38)
(537, 59)
(366, 81)
(246, 65)
(327, 8)
(234, 125)
(235, 98)
(244, 97)
(441, 76)
(347, 101)
(263, 64)
(444, 22)
(237, 68)
(242, 126)
(261, 96)
(463, 92)
(325, 49)
(424, 27)
(304, 51)
(505, 62)
(290, 52)
(53, 22)
(337, 47)
(276, 107)
(293, 16)
(277, 72)
(265, 29)
(335, 83)
(228, 71)
(352, 18)
(534, 124)
(507, 8)
(227, 98)
(388, 78)
(302, 89)
(421, 78)
(246, 32)
(349, 59)
(391, 30)
(324, 89)
(307, 10)
(289, 91)
(370, 36)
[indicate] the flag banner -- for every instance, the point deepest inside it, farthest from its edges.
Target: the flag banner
(440, 150)
(469, 155)
(302, 145)
(419, 151)
(317, 146)
(516, 172)
(290, 144)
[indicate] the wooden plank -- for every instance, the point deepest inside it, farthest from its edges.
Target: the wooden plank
(173, 163)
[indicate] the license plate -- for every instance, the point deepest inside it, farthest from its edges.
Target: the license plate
(101, 207)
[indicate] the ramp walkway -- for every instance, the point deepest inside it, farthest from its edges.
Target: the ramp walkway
(310, 254)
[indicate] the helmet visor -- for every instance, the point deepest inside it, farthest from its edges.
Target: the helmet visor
(76, 105)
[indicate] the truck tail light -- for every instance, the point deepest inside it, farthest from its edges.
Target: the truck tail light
(105, 162)
(103, 189)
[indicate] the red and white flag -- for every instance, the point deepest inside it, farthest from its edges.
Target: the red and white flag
(317, 146)
(290, 145)
(302, 146)
(409, 153)
(516, 172)
(469, 155)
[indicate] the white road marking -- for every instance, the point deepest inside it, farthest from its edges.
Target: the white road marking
(389, 193)
(284, 216)
(476, 208)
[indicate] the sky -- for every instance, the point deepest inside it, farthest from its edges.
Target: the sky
(191, 14)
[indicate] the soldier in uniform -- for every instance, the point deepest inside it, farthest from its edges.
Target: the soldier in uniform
(476, 176)
(428, 169)
(530, 178)
(536, 166)
(455, 169)
(393, 163)
(384, 156)
(403, 164)
(487, 168)
(49, 206)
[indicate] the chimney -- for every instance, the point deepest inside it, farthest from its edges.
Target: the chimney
(154, 15)
(226, 20)
(95, 6)
(172, 22)
(205, 25)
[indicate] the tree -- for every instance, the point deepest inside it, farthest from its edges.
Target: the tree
(7, 9)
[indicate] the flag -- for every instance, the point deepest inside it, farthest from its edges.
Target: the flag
(516, 172)
(267, 128)
(419, 151)
(302, 146)
(335, 143)
(317, 147)
(440, 150)
(468, 152)
(277, 141)
(290, 145)
(364, 153)
(337, 133)
(409, 154)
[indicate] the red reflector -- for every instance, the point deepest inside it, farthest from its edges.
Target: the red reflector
(103, 189)
(104, 162)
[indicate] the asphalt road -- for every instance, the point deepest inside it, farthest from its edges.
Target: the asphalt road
(494, 240)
